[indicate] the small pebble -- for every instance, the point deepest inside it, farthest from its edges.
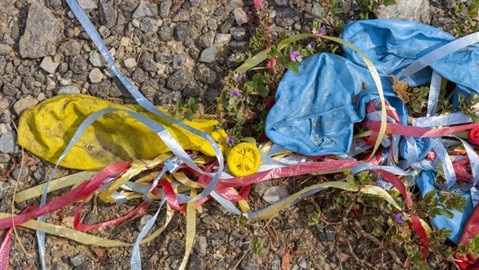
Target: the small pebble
(49, 65)
(130, 62)
(208, 55)
(238, 33)
(275, 193)
(23, 104)
(176, 247)
(240, 16)
(7, 142)
(87, 4)
(178, 61)
(222, 39)
(143, 220)
(95, 59)
(77, 260)
(20, 173)
(95, 75)
(201, 245)
(67, 89)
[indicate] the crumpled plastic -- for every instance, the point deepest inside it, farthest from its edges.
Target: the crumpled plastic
(46, 129)
(315, 109)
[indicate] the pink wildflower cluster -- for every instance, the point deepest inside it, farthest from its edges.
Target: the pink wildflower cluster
(258, 4)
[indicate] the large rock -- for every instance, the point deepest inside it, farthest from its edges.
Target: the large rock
(419, 11)
(41, 32)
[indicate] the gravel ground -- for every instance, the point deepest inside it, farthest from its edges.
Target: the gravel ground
(171, 49)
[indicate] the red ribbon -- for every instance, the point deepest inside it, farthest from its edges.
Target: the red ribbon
(422, 132)
(422, 235)
(5, 250)
(82, 192)
(78, 225)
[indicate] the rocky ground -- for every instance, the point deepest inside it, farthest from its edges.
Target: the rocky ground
(176, 49)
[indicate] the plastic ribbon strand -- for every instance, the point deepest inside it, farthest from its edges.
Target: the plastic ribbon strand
(190, 230)
(418, 226)
(5, 249)
(135, 261)
(442, 120)
(434, 92)
(439, 53)
(273, 209)
(66, 181)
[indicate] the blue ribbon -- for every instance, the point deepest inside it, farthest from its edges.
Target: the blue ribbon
(439, 53)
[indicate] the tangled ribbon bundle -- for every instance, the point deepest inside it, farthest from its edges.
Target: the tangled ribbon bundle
(400, 152)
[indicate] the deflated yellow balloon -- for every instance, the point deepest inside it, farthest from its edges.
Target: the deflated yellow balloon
(46, 129)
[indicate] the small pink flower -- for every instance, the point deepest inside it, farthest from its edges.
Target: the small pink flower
(233, 57)
(236, 93)
(271, 64)
(258, 4)
(237, 77)
(400, 218)
(230, 140)
(321, 31)
(295, 56)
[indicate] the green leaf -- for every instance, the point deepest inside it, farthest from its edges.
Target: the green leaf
(337, 10)
(250, 86)
(448, 214)
(258, 78)
(239, 116)
(350, 180)
(438, 211)
(178, 106)
(253, 99)
(192, 105)
(389, 2)
(189, 115)
(195, 107)
(263, 92)
(261, 56)
(294, 67)
(191, 101)
(429, 197)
